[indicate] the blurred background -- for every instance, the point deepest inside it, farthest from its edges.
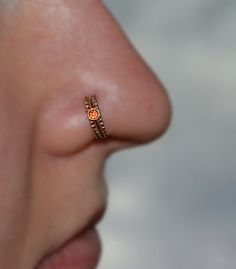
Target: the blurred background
(173, 202)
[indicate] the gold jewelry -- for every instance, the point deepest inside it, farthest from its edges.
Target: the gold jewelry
(95, 117)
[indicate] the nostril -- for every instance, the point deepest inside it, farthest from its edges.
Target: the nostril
(64, 128)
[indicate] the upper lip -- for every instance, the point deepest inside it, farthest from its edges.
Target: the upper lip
(95, 218)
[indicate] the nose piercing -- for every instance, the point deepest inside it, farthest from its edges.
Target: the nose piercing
(95, 117)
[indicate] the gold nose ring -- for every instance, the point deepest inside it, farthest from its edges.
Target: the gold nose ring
(95, 117)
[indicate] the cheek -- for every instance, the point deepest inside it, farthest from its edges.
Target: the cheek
(15, 162)
(63, 192)
(16, 134)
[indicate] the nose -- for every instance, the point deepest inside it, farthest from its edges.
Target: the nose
(134, 104)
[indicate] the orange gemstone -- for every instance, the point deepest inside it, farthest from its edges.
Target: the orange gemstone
(93, 114)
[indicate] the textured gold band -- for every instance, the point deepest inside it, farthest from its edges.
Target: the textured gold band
(95, 117)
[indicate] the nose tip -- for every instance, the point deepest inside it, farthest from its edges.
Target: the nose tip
(137, 110)
(140, 112)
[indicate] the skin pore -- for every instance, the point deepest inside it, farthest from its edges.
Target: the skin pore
(53, 53)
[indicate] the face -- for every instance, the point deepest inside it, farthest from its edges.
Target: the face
(53, 54)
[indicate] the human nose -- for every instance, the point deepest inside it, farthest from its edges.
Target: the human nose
(134, 104)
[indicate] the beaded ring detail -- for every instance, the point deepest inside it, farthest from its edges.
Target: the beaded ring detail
(95, 117)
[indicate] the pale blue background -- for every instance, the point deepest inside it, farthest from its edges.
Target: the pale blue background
(173, 202)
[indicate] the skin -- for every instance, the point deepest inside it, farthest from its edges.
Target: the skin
(53, 53)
